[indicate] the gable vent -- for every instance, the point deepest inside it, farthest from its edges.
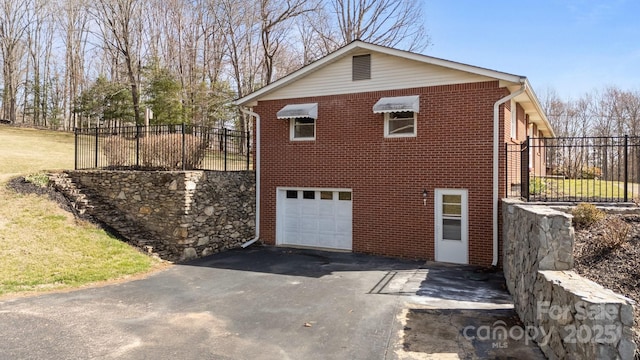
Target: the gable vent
(361, 67)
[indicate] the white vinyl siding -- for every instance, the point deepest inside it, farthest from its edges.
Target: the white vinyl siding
(387, 73)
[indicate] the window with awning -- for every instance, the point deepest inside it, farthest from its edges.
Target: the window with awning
(302, 120)
(293, 111)
(397, 104)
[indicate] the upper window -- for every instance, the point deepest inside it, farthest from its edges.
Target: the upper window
(400, 124)
(303, 128)
(302, 120)
(361, 67)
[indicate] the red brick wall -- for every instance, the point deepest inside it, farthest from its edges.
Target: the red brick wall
(453, 149)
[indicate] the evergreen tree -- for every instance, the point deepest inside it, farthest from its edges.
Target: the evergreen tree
(163, 97)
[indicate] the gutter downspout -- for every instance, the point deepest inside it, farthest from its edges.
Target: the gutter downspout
(257, 236)
(496, 163)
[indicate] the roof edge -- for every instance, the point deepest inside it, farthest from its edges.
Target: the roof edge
(536, 103)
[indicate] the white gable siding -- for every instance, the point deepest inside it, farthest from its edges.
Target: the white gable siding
(387, 73)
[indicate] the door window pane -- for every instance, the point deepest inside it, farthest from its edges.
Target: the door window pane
(309, 195)
(452, 205)
(292, 194)
(452, 199)
(343, 195)
(451, 210)
(451, 229)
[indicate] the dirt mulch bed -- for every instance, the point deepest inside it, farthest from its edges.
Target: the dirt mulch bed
(616, 269)
(22, 186)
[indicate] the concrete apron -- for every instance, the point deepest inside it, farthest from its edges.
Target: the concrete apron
(458, 312)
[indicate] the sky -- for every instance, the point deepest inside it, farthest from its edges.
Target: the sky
(570, 46)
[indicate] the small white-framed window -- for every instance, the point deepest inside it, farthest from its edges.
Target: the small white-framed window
(400, 124)
(303, 128)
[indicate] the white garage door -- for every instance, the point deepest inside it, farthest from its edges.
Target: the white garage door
(314, 217)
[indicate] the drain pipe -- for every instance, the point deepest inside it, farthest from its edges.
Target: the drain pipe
(496, 163)
(257, 168)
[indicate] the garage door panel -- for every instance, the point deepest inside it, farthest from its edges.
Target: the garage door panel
(309, 237)
(343, 227)
(327, 224)
(326, 208)
(343, 242)
(291, 209)
(343, 209)
(309, 224)
(292, 225)
(308, 208)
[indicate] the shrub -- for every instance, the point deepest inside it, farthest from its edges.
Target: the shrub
(165, 151)
(537, 186)
(118, 151)
(585, 215)
(615, 233)
(38, 179)
(590, 172)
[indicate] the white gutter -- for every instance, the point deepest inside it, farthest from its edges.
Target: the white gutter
(496, 163)
(257, 168)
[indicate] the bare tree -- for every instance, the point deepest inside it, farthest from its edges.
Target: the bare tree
(73, 20)
(39, 34)
(241, 29)
(121, 30)
(393, 23)
(13, 25)
(275, 16)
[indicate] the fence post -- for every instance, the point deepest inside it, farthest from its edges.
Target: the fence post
(524, 169)
(224, 132)
(248, 147)
(184, 145)
(626, 167)
(507, 188)
(137, 146)
(96, 148)
(75, 149)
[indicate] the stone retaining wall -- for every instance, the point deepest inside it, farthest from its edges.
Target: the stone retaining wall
(180, 215)
(568, 315)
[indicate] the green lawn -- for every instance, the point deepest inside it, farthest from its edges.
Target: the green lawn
(43, 247)
(585, 188)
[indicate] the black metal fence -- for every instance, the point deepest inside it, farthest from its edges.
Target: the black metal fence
(574, 169)
(162, 147)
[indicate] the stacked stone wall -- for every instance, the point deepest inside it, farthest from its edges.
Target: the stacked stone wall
(179, 215)
(567, 315)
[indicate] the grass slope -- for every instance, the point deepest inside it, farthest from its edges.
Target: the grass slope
(42, 247)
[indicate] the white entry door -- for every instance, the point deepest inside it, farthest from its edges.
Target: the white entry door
(451, 226)
(320, 218)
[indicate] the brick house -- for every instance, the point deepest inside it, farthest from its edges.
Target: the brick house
(380, 151)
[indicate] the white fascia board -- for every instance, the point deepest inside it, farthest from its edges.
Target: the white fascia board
(531, 104)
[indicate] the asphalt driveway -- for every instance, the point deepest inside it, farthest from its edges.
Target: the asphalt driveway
(262, 303)
(258, 303)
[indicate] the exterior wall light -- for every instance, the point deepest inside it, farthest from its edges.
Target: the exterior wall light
(424, 197)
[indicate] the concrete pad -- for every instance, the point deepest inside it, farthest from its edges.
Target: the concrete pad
(462, 312)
